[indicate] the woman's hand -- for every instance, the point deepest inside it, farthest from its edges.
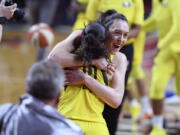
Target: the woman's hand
(74, 77)
(111, 68)
(103, 64)
(7, 11)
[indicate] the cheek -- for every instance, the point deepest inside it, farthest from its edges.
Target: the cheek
(125, 38)
(109, 39)
(112, 38)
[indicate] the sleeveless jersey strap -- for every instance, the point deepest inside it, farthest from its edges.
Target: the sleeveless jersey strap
(105, 78)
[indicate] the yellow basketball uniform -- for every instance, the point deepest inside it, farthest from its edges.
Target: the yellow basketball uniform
(137, 71)
(81, 20)
(166, 20)
(82, 106)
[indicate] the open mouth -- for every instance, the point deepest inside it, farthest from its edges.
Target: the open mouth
(116, 46)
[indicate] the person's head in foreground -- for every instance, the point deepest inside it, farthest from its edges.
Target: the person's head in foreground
(45, 80)
(36, 113)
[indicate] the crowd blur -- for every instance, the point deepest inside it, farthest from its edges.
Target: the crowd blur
(54, 12)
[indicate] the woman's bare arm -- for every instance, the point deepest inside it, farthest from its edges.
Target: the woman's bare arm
(61, 53)
(111, 95)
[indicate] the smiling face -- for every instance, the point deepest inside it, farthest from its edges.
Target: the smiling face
(118, 35)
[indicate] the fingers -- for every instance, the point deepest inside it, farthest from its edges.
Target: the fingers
(7, 11)
(69, 77)
(68, 80)
(12, 8)
(100, 63)
(68, 74)
(111, 68)
(74, 77)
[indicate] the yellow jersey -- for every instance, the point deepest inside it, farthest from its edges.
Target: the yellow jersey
(83, 2)
(166, 20)
(162, 14)
(172, 39)
(79, 103)
(139, 41)
(81, 20)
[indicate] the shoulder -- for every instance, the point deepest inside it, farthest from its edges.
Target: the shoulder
(120, 60)
(120, 57)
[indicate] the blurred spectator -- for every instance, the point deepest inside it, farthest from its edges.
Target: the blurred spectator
(5, 13)
(64, 15)
(165, 18)
(36, 113)
(42, 10)
(79, 7)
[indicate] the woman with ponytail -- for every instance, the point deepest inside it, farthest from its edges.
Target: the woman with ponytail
(96, 72)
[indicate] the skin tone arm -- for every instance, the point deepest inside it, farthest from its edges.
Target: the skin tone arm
(111, 95)
(61, 53)
(6, 12)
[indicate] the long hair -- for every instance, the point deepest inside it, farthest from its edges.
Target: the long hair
(90, 45)
(107, 18)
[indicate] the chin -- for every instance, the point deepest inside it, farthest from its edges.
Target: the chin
(114, 53)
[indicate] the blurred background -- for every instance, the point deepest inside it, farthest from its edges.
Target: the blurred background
(17, 55)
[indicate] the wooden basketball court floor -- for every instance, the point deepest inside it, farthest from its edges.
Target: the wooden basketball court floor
(16, 56)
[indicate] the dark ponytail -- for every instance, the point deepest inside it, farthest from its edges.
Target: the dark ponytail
(91, 44)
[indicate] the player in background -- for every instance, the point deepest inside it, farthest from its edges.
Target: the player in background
(165, 18)
(79, 7)
(143, 110)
